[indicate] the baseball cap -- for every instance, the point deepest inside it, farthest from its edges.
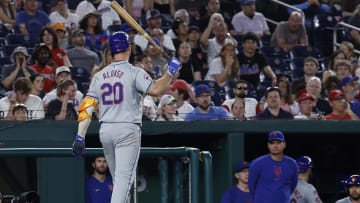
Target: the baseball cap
(305, 96)
(59, 26)
(335, 94)
(193, 27)
(347, 80)
(180, 84)
(200, 89)
(153, 13)
(78, 32)
(62, 69)
(246, 1)
(155, 40)
(276, 135)
(240, 166)
(18, 50)
(126, 27)
(166, 99)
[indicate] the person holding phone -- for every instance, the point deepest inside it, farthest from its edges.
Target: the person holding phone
(19, 68)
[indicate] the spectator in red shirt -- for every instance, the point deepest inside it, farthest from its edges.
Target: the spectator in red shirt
(42, 55)
(339, 106)
(49, 37)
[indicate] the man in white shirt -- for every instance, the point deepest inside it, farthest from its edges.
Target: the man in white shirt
(62, 73)
(62, 15)
(249, 21)
(240, 91)
(108, 15)
(180, 90)
(21, 95)
(219, 28)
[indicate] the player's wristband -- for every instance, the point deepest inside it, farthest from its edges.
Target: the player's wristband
(79, 138)
(173, 66)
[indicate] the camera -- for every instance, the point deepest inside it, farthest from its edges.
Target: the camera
(26, 197)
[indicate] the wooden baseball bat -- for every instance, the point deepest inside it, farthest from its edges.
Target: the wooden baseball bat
(132, 22)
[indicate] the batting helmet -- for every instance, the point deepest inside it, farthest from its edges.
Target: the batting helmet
(304, 162)
(353, 180)
(119, 42)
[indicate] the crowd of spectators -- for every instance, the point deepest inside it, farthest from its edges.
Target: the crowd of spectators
(235, 65)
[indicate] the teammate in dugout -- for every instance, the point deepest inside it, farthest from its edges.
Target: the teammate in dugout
(118, 90)
(273, 177)
(305, 192)
(353, 188)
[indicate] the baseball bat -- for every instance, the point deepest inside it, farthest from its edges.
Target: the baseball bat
(132, 22)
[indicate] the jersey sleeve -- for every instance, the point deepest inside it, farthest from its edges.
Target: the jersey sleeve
(253, 177)
(143, 81)
(93, 88)
(294, 178)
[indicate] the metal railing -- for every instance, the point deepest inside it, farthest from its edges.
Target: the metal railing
(272, 21)
(291, 7)
(346, 25)
(193, 154)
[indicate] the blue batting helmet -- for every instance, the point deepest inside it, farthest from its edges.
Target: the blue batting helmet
(353, 180)
(119, 42)
(304, 162)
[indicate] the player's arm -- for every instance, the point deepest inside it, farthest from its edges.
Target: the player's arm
(161, 85)
(86, 109)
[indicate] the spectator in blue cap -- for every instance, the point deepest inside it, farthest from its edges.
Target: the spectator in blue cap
(350, 88)
(136, 51)
(240, 191)
(204, 111)
(273, 177)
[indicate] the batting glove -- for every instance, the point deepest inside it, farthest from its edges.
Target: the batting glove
(78, 147)
(174, 66)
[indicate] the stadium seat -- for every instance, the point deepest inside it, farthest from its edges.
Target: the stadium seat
(218, 94)
(3, 30)
(113, 28)
(3, 42)
(8, 49)
(82, 78)
(297, 67)
(305, 51)
(265, 40)
(278, 65)
(273, 51)
(238, 39)
(5, 61)
(24, 40)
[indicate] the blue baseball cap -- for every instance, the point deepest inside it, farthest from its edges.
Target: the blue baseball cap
(347, 80)
(276, 135)
(126, 27)
(240, 166)
(200, 89)
(246, 1)
(155, 40)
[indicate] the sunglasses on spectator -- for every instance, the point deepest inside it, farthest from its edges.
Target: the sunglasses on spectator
(241, 88)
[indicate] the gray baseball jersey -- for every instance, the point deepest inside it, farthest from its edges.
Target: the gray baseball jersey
(345, 200)
(305, 193)
(119, 88)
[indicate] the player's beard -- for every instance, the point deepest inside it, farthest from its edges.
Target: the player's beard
(355, 196)
(101, 170)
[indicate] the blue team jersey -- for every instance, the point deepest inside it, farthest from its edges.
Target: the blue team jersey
(215, 113)
(272, 181)
(98, 192)
(33, 23)
(235, 195)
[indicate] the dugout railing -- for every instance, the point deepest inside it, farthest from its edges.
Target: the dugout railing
(49, 190)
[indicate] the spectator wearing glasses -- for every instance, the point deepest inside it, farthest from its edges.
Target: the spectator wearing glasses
(349, 86)
(240, 91)
(273, 111)
(204, 111)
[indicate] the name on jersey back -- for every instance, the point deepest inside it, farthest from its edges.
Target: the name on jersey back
(113, 73)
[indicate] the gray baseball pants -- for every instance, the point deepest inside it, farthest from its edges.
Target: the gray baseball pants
(121, 143)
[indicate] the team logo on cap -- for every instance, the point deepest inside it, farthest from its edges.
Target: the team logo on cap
(353, 179)
(275, 134)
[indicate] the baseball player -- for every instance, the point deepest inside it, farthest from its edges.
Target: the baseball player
(304, 192)
(353, 188)
(118, 90)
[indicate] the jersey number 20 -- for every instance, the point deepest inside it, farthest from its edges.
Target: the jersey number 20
(112, 94)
